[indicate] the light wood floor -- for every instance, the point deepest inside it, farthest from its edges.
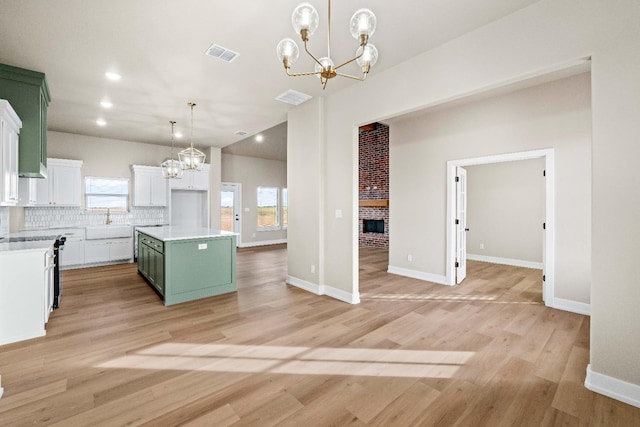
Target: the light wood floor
(486, 353)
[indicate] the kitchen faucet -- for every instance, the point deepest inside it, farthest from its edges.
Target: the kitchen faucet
(108, 217)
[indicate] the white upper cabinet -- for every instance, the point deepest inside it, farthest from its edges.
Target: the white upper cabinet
(192, 180)
(63, 185)
(10, 126)
(149, 186)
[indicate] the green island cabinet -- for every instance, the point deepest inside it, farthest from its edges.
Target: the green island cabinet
(28, 93)
(185, 264)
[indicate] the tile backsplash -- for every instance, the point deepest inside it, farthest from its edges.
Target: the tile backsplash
(71, 217)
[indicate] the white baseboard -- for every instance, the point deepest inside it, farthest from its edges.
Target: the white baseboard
(613, 387)
(421, 275)
(506, 261)
(329, 291)
(342, 295)
(572, 306)
(305, 286)
(262, 243)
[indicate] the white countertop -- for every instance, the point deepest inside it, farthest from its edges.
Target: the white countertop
(167, 233)
(38, 245)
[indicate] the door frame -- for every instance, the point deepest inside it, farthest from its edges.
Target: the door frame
(461, 226)
(237, 187)
(548, 249)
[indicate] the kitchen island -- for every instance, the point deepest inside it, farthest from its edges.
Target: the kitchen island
(185, 264)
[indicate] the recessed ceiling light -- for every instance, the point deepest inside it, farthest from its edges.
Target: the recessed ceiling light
(113, 76)
(106, 104)
(101, 122)
(177, 134)
(259, 138)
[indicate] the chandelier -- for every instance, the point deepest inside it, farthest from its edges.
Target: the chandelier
(170, 167)
(191, 158)
(305, 21)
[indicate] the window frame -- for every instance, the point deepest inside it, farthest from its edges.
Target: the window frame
(284, 191)
(87, 194)
(278, 225)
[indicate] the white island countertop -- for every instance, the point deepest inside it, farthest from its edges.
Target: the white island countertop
(167, 233)
(10, 247)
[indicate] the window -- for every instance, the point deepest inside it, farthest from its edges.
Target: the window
(268, 215)
(285, 208)
(106, 193)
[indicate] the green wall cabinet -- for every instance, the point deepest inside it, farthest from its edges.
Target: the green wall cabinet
(28, 93)
(188, 269)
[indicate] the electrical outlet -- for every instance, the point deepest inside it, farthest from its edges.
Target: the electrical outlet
(313, 269)
(409, 257)
(253, 235)
(481, 245)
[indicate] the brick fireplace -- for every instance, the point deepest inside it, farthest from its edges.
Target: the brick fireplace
(373, 185)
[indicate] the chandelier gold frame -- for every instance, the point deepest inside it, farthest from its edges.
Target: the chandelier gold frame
(305, 21)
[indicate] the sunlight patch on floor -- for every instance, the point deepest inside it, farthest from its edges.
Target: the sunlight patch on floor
(294, 360)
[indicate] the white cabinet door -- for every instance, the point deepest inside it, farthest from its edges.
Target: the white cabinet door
(150, 187)
(141, 188)
(120, 249)
(158, 190)
(9, 128)
(66, 186)
(106, 250)
(72, 253)
(63, 185)
(96, 251)
(200, 180)
(42, 190)
(27, 191)
(192, 180)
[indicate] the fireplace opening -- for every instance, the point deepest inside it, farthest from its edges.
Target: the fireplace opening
(373, 226)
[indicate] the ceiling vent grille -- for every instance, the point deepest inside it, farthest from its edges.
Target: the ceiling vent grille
(293, 97)
(241, 133)
(222, 53)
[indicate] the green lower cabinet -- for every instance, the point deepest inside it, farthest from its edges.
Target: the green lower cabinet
(188, 269)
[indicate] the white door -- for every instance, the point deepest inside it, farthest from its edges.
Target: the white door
(461, 224)
(230, 208)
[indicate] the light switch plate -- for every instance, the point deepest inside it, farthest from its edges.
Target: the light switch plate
(338, 213)
(202, 246)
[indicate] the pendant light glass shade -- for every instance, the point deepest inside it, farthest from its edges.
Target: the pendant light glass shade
(170, 167)
(191, 158)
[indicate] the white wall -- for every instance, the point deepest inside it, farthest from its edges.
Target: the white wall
(554, 115)
(252, 173)
(102, 156)
(505, 210)
(305, 144)
(545, 36)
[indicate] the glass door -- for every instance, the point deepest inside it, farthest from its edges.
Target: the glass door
(230, 208)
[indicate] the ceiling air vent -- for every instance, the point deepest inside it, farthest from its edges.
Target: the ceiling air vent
(293, 97)
(241, 133)
(222, 53)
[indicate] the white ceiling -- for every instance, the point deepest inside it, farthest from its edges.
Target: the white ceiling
(158, 46)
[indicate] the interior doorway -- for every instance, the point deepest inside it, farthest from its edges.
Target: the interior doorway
(548, 246)
(231, 208)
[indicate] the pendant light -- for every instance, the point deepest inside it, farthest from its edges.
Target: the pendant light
(191, 158)
(170, 167)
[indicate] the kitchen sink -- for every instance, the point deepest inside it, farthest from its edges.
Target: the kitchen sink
(107, 231)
